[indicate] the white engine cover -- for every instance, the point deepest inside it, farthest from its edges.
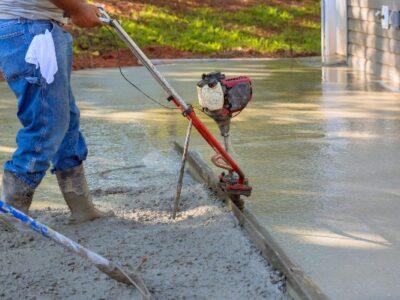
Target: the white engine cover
(211, 98)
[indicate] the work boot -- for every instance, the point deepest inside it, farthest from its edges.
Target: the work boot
(76, 193)
(16, 193)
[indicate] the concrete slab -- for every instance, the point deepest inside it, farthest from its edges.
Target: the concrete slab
(320, 147)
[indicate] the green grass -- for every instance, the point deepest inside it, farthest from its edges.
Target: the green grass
(266, 30)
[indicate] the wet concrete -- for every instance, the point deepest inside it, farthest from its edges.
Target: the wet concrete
(202, 254)
(320, 147)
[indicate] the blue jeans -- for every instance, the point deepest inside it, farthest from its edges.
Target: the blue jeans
(49, 116)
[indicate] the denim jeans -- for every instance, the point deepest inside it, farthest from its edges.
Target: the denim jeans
(48, 113)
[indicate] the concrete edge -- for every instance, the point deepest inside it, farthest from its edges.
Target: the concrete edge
(299, 285)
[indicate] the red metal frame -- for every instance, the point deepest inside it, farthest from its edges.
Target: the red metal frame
(213, 142)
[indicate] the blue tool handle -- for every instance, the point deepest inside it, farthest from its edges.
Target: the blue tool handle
(7, 209)
(49, 233)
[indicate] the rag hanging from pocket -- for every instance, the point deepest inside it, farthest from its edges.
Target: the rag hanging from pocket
(42, 54)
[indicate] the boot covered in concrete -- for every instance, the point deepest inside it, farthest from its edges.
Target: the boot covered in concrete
(76, 193)
(16, 193)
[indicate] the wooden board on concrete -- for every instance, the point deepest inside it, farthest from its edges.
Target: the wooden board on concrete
(300, 286)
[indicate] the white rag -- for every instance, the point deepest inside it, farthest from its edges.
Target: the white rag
(42, 53)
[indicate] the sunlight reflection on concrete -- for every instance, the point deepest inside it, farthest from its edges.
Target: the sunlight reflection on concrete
(351, 239)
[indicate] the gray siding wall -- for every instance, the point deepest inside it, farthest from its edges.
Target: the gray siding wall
(371, 48)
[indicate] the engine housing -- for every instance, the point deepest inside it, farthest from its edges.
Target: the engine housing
(218, 92)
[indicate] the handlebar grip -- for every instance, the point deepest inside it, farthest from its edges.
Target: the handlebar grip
(106, 21)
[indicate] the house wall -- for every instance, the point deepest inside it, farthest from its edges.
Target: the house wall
(371, 48)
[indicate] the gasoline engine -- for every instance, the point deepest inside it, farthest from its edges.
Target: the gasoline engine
(220, 97)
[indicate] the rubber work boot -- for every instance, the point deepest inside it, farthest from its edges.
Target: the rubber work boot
(75, 190)
(18, 194)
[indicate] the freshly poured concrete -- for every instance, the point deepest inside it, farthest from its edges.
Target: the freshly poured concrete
(202, 254)
(320, 147)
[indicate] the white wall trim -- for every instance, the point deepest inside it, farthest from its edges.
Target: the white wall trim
(334, 31)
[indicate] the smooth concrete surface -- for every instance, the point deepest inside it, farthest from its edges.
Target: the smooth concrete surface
(320, 147)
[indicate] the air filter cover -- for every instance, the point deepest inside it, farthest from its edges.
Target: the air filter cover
(211, 97)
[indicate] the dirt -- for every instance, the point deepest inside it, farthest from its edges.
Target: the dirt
(203, 254)
(125, 58)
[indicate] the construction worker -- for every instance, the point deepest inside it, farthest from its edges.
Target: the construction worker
(36, 60)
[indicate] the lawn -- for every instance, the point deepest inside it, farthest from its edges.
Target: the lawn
(230, 28)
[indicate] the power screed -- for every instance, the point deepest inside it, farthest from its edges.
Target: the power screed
(220, 98)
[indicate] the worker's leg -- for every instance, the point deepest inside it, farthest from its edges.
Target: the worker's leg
(68, 165)
(72, 151)
(43, 109)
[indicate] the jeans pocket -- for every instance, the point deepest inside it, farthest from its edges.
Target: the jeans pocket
(10, 29)
(40, 27)
(60, 35)
(13, 48)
